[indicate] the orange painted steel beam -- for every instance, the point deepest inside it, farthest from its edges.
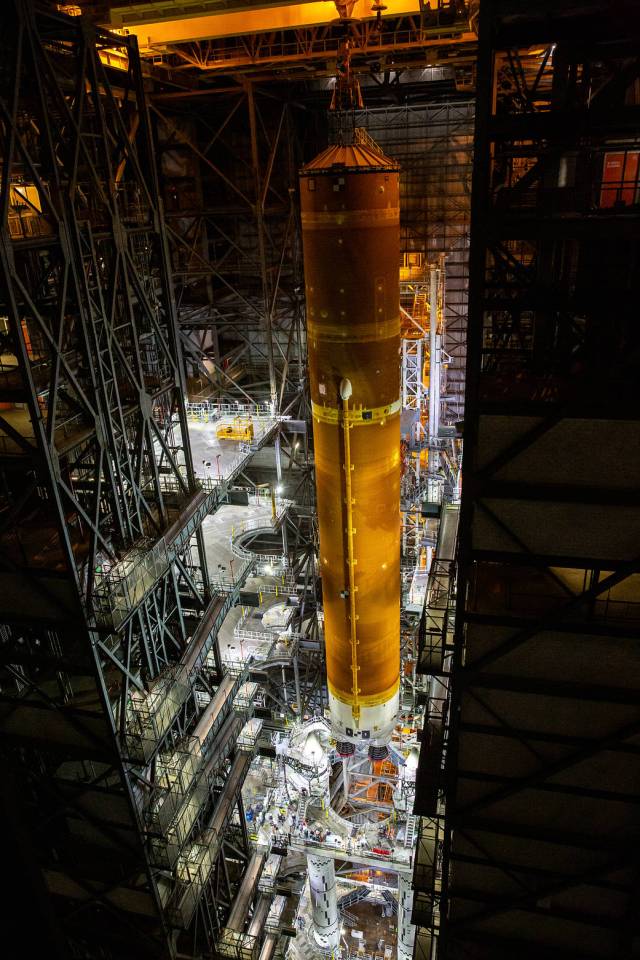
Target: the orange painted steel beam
(225, 59)
(350, 226)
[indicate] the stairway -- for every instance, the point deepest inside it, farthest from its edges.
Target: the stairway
(407, 699)
(410, 831)
(349, 919)
(421, 308)
(354, 896)
(303, 803)
(391, 901)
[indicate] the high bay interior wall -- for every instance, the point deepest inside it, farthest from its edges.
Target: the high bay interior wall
(229, 174)
(433, 142)
(542, 769)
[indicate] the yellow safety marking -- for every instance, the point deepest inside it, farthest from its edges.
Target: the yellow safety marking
(358, 417)
(348, 219)
(356, 333)
(370, 700)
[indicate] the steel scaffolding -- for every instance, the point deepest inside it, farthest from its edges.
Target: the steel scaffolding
(108, 619)
(433, 143)
(233, 236)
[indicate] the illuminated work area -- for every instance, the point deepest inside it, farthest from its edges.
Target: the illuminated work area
(319, 461)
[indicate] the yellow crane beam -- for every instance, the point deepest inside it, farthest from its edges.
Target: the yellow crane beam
(167, 31)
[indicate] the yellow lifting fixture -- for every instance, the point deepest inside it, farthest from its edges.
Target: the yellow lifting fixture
(241, 428)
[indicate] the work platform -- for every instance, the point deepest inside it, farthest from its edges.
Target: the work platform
(220, 459)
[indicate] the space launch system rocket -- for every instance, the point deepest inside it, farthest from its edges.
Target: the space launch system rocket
(350, 227)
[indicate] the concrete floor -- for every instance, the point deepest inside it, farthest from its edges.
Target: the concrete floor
(226, 567)
(378, 938)
(378, 931)
(219, 529)
(219, 459)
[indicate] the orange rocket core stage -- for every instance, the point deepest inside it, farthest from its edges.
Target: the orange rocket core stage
(350, 223)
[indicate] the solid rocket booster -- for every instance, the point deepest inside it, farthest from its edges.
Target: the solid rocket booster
(350, 227)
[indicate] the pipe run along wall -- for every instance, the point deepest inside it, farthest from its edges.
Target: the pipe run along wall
(350, 226)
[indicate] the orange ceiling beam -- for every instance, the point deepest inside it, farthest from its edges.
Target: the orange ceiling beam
(156, 35)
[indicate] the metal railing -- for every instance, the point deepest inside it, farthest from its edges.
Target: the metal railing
(149, 715)
(175, 774)
(270, 521)
(394, 857)
(285, 588)
(370, 40)
(269, 877)
(193, 870)
(119, 588)
(240, 573)
(249, 736)
(210, 410)
(237, 946)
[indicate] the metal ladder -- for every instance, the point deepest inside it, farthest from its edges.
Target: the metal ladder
(410, 831)
(303, 803)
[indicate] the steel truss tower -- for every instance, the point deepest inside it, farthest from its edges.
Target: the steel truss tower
(542, 814)
(433, 143)
(108, 620)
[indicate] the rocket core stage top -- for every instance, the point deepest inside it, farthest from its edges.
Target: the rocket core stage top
(362, 155)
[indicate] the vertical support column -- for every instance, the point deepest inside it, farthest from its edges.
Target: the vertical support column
(296, 680)
(434, 385)
(278, 454)
(346, 778)
(437, 371)
(442, 336)
(433, 350)
(406, 930)
(262, 250)
(418, 363)
(324, 902)
(404, 384)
